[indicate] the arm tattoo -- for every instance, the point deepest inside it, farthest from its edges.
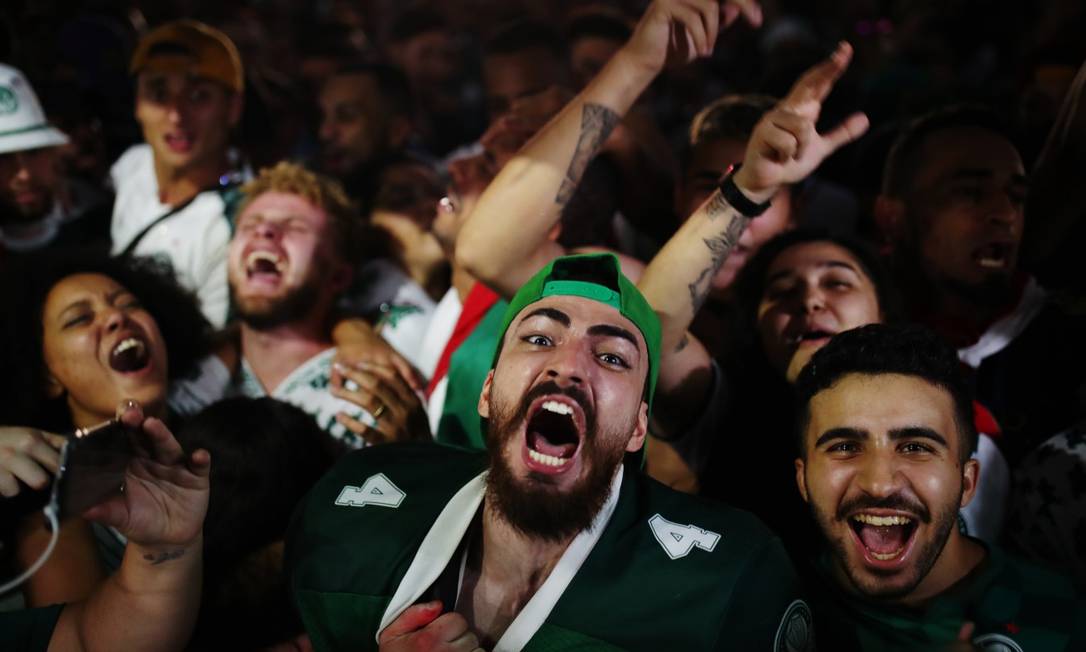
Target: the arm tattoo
(719, 247)
(597, 122)
(717, 206)
(163, 557)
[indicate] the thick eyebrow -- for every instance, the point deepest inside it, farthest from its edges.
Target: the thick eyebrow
(550, 313)
(610, 330)
(848, 434)
(918, 432)
(828, 263)
(856, 434)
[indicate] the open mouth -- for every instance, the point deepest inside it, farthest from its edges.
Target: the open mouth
(883, 538)
(179, 142)
(265, 266)
(996, 255)
(553, 435)
(129, 355)
(813, 336)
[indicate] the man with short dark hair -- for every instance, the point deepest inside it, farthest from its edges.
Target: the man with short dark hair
(954, 190)
(174, 192)
(365, 120)
(886, 433)
(548, 540)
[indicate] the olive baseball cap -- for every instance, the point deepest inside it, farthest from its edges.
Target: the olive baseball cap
(191, 47)
(597, 277)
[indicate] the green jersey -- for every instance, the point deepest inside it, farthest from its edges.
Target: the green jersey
(658, 570)
(1015, 606)
(28, 630)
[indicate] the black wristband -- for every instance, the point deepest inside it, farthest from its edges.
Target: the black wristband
(735, 197)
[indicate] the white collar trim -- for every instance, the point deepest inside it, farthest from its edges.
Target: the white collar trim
(445, 535)
(1004, 331)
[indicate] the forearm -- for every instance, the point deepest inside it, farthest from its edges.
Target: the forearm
(150, 603)
(677, 280)
(504, 239)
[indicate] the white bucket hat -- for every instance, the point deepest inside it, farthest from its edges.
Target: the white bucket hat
(22, 121)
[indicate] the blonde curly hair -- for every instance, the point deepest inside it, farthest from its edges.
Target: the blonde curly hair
(321, 191)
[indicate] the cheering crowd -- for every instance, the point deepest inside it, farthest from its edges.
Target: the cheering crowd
(670, 325)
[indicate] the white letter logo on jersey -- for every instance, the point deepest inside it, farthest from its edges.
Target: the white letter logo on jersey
(678, 540)
(378, 490)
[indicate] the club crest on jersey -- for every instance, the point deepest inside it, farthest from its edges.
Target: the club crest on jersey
(377, 490)
(996, 643)
(795, 633)
(678, 540)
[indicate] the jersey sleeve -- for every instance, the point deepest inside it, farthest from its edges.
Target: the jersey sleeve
(769, 612)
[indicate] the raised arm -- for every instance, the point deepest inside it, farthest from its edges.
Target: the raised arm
(151, 602)
(783, 149)
(505, 239)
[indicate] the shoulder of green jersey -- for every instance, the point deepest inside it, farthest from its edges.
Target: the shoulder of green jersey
(376, 490)
(679, 540)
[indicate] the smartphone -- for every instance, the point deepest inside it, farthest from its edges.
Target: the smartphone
(92, 467)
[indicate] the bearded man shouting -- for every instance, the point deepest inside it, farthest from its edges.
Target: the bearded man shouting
(553, 538)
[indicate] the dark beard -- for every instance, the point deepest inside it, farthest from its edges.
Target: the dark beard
(264, 314)
(534, 507)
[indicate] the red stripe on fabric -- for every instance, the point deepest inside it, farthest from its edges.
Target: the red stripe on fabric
(479, 300)
(985, 421)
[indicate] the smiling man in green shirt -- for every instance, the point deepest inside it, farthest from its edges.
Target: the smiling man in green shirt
(885, 438)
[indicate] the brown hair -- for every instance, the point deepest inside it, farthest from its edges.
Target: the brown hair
(323, 192)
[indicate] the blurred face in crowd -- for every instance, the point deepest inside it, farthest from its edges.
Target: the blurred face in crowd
(410, 192)
(29, 183)
(509, 77)
(589, 54)
(813, 290)
(564, 404)
(882, 473)
(186, 120)
(100, 347)
(356, 127)
(430, 59)
(965, 210)
(281, 260)
(469, 177)
(708, 162)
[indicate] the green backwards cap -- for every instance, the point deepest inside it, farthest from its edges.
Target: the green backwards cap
(597, 277)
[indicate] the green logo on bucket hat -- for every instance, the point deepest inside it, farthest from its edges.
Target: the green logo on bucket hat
(8, 102)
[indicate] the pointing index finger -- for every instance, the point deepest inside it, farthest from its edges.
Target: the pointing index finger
(816, 83)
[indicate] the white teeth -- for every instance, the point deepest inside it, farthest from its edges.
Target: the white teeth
(255, 256)
(885, 556)
(882, 521)
(557, 408)
(992, 263)
(126, 344)
(542, 458)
